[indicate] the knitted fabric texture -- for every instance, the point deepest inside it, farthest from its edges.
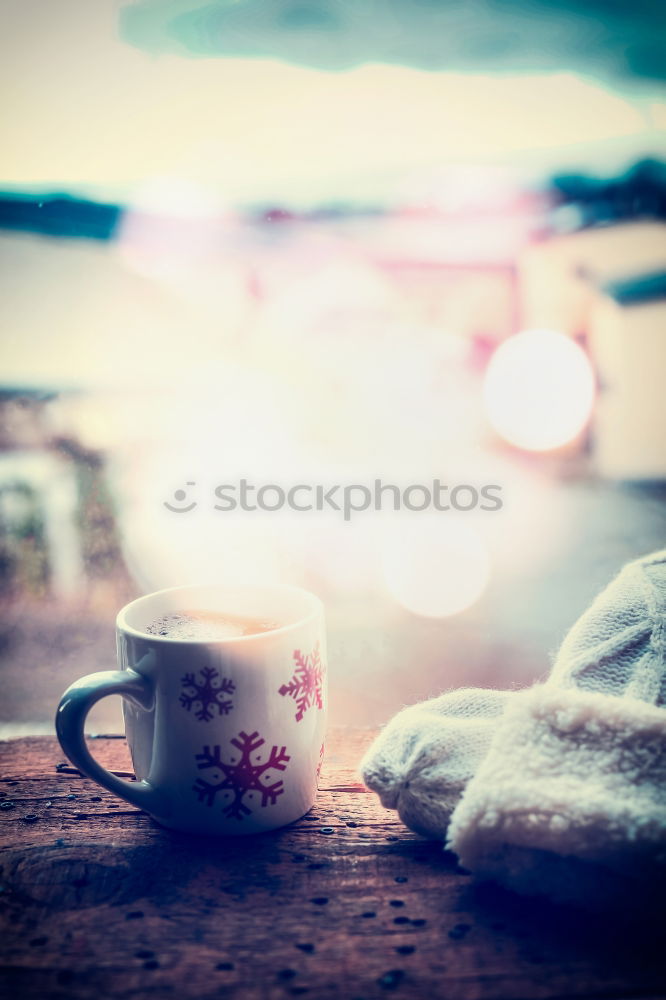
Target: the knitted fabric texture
(425, 756)
(570, 799)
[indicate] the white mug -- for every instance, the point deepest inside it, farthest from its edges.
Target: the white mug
(226, 737)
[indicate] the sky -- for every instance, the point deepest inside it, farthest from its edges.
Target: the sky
(88, 112)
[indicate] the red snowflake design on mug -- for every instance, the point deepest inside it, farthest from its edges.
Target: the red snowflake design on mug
(246, 775)
(320, 764)
(207, 693)
(306, 683)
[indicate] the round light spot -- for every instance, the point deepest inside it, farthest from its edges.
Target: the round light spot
(436, 567)
(539, 390)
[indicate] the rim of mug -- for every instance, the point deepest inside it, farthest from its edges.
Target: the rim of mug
(317, 608)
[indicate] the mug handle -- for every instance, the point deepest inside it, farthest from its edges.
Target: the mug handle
(70, 720)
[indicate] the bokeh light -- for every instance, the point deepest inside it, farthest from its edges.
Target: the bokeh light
(434, 566)
(539, 390)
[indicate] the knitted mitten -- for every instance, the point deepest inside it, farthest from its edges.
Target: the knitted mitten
(570, 800)
(424, 757)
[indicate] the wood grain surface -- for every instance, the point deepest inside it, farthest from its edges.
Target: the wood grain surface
(99, 902)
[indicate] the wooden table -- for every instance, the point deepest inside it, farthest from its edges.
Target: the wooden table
(98, 901)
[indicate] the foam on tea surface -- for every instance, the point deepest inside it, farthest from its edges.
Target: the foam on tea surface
(207, 626)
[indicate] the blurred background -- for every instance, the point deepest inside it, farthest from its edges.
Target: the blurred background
(328, 242)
